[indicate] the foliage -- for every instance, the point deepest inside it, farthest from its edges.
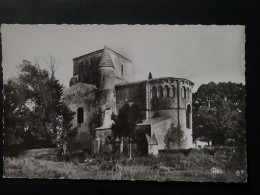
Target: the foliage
(95, 120)
(34, 111)
(51, 154)
(180, 165)
(12, 121)
(174, 135)
(125, 122)
(219, 113)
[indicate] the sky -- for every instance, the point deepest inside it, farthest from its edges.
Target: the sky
(199, 53)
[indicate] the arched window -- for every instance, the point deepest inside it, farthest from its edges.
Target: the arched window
(160, 90)
(183, 92)
(167, 91)
(188, 117)
(80, 115)
(173, 91)
(154, 92)
(187, 92)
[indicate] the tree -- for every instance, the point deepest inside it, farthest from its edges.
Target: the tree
(66, 133)
(34, 109)
(125, 123)
(12, 121)
(219, 113)
(174, 135)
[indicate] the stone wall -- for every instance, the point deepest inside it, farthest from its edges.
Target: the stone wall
(84, 67)
(81, 95)
(164, 96)
(160, 130)
(185, 100)
(135, 93)
(97, 86)
(123, 67)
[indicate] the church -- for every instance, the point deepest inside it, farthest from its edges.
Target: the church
(102, 82)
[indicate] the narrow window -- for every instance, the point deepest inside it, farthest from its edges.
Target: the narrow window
(167, 91)
(183, 92)
(188, 117)
(154, 92)
(122, 69)
(173, 91)
(80, 116)
(160, 89)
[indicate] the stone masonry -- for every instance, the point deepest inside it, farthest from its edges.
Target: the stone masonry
(102, 82)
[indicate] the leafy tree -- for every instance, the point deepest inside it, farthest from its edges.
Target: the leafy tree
(66, 134)
(12, 121)
(33, 107)
(219, 113)
(174, 135)
(125, 122)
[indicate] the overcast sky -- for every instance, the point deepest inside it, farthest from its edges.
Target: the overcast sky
(195, 52)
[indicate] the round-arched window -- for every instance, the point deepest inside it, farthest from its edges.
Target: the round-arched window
(80, 115)
(188, 117)
(160, 90)
(173, 91)
(183, 91)
(167, 91)
(154, 92)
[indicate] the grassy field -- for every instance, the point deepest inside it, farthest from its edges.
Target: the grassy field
(149, 168)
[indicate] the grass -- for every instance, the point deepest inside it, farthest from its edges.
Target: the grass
(123, 169)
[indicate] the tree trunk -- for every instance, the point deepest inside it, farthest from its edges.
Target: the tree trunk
(121, 145)
(130, 150)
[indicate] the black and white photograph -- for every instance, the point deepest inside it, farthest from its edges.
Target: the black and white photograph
(124, 102)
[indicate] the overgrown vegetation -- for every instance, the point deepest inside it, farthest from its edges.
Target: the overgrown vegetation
(35, 117)
(219, 114)
(34, 112)
(124, 126)
(181, 165)
(173, 136)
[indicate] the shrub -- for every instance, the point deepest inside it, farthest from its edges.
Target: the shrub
(106, 149)
(76, 157)
(105, 166)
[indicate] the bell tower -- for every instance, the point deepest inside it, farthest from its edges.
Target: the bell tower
(106, 87)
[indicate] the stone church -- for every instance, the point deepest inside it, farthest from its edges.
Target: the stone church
(102, 81)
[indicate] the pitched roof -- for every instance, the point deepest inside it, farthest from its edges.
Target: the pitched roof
(88, 54)
(152, 121)
(106, 60)
(118, 54)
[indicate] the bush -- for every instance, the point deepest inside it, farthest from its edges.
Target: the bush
(76, 157)
(106, 165)
(106, 149)
(206, 158)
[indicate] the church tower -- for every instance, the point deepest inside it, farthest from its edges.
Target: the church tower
(106, 87)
